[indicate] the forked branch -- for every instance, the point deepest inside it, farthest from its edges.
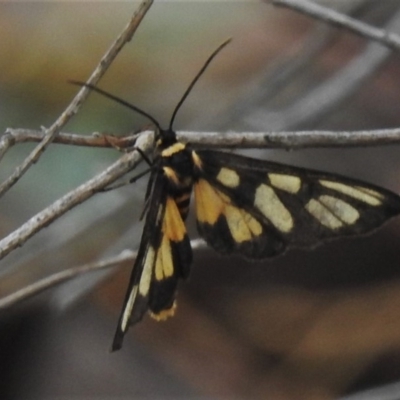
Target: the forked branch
(73, 107)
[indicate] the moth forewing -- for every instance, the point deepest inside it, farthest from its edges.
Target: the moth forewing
(259, 208)
(137, 295)
(164, 254)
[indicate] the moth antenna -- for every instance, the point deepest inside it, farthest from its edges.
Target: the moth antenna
(118, 100)
(196, 78)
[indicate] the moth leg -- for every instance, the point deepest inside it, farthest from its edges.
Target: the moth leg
(128, 182)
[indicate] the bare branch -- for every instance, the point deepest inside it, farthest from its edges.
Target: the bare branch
(272, 140)
(336, 18)
(14, 136)
(73, 107)
(74, 272)
(74, 197)
(60, 277)
(311, 106)
(336, 89)
(292, 140)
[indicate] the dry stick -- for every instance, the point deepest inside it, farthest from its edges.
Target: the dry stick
(330, 93)
(66, 295)
(73, 107)
(63, 276)
(278, 140)
(74, 272)
(74, 197)
(67, 229)
(11, 137)
(96, 139)
(292, 140)
(336, 18)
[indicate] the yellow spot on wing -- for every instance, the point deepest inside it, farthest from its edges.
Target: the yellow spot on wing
(269, 204)
(147, 272)
(209, 205)
(344, 211)
(128, 308)
(164, 314)
(173, 229)
(254, 226)
(173, 225)
(289, 183)
(241, 224)
(228, 177)
(171, 150)
(237, 226)
(323, 215)
(363, 194)
(164, 263)
(371, 192)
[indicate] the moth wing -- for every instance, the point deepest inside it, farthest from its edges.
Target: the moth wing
(164, 256)
(259, 208)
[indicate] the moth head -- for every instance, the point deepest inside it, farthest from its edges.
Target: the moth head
(165, 138)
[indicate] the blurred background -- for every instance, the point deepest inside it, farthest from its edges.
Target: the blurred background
(317, 324)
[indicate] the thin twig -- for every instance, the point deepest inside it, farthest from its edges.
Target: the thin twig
(341, 20)
(74, 272)
(277, 140)
(292, 140)
(83, 93)
(63, 276)
(66, 295)
(74, 197)
(327, 95)
(68, 229)
(12, 137)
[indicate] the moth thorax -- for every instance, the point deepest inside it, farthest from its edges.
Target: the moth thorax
(179, 159)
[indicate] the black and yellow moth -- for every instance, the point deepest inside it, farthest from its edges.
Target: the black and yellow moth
(243, 205)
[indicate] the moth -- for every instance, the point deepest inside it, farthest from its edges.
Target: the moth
(252, 207)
